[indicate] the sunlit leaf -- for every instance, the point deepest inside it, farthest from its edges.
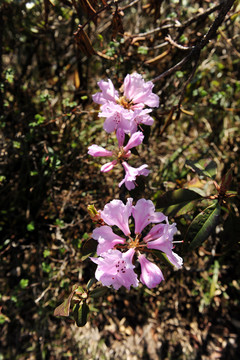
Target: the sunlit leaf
(177, 202)
(206, 170)
(202, 226)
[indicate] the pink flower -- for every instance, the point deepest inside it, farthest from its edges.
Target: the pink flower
(116, 117)
(131, 175)
(151, 275)
(159, 237)
(123, 154)
(126, 111)
(115, 268)
(140, 116)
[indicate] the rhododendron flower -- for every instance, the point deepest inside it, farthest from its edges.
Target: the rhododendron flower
(115, 268)
(126, 111)
(131, 174)
(159, 237)
(121, 155)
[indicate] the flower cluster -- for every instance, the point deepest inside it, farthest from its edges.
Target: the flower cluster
(123, 254)
(126, 111)
(124, 114)
(121, 156)
(117, 253)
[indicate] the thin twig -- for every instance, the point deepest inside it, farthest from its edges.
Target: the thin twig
(129, 5)
(172, 42)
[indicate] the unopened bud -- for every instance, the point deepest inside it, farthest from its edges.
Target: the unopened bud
(94, 214)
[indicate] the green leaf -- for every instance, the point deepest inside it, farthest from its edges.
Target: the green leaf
(100, 291)
(89, 248)
(142, 50)
(80, 313)
(90, 283)
(31, 226)
(202, 226)
(202, 169)
(23, 283)
(214, 279)
(46, 253)
(162, 256)
(64, 308)
(177, 202)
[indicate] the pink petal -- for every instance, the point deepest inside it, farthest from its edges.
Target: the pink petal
(135, 140)
(136, 89)
(175, 259)
(116, 117)
(141, 117)
(155, 232)
(142, 212)
(106, 238)
(117, 213)
(151, 275)
(120, 137)
(108, 94)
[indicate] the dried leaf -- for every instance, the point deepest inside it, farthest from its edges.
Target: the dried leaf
(76, 79)
(64, 308)
(88, 8)
(117, 26)
(84, 42)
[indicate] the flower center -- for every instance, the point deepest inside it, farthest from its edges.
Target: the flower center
(124, 102)
(121, 154)
(134, 243)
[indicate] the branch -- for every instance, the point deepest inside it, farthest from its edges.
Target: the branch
(194, 54)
